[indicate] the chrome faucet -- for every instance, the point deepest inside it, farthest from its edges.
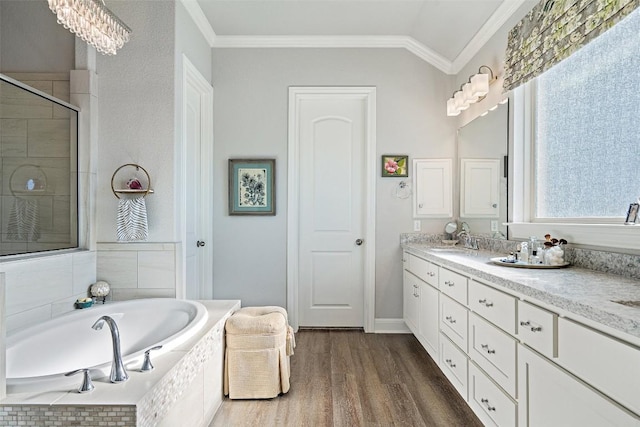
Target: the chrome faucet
(118, 373)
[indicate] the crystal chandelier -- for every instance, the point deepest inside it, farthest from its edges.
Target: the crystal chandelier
(92, 22)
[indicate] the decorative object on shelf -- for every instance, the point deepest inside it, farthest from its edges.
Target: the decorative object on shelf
(100, 289)
(252, 187)
(395, 165)
(93, 23)
(132, 184)
(475, 90)
(632, 214)
(132, 224)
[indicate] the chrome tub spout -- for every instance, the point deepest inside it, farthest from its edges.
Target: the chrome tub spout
(118, 373)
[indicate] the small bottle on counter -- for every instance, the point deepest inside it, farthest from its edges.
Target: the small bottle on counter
(524, 252)
(534, 259)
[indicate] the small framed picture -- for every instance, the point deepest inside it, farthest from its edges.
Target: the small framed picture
(252, 187)
(394, 165)
(632, 213)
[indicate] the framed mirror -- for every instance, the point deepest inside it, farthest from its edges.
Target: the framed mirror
(483, 146)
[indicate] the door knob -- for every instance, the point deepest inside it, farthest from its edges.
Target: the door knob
(359, 242)
(200, 243)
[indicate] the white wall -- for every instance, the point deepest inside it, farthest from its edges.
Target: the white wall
(136, 115)
(31, 40)
(250, 120)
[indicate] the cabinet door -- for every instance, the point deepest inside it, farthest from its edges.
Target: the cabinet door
(551, 397)
(428, 318)
(410, 301)
(432, 194)
(480, 189)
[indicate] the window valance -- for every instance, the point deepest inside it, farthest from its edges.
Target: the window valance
(553, 30)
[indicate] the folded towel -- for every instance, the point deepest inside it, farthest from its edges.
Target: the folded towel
(132, 220)
(24, 220)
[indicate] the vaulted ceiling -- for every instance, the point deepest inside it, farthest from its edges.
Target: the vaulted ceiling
(446, 33)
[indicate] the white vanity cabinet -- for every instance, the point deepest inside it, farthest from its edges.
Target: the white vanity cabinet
(549, 396)
(517, 361)
(411, 301)
(421, 300)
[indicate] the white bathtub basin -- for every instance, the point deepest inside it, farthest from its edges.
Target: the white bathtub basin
(39, 356)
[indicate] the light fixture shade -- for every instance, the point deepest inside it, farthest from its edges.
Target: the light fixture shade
(93, 23)
(461, 103)
(469, 97)
(479, 85)
(452, 110)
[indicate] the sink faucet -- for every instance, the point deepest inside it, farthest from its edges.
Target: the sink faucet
(118, 373)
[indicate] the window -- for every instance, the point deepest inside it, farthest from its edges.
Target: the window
(586, 156)
(38, 151)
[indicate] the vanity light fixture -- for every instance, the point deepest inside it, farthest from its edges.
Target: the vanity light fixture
(92, 22)
(471, 92)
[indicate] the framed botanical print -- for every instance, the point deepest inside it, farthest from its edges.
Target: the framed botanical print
(395, 165)
(252, 187)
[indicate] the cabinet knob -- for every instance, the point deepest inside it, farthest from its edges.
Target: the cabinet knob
(495, 205)
(420, 205)
(359, 242)
(200, 243)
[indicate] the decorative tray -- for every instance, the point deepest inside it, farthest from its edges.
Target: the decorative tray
(520, 264)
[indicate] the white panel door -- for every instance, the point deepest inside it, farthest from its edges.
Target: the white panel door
(480, 192)
(332, 144)
(197, 173)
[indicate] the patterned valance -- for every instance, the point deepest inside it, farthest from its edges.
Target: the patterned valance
(553, 30)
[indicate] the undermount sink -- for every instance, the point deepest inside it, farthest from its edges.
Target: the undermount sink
(628, 303)
(446, 249)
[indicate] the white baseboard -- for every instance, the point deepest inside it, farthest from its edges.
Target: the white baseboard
(390, 326)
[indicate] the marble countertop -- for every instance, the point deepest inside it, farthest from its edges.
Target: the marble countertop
(586, 293)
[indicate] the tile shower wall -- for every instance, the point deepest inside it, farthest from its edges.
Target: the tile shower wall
(35, 140)
(138, 270)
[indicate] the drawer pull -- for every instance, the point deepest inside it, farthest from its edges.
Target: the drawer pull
(449, 283)
(482, 301)
(450, 319)
(486, 403)
(527, 323)
(488, 304)
(487, 349)
(450, 363)
(536, 328)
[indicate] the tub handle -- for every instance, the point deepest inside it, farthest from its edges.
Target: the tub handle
(87, 385)
(146, 364)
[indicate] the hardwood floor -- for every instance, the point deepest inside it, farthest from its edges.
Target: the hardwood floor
(349, 378)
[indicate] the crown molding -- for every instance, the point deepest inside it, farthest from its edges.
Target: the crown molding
(201, 21)
(405, 42)
(493, 24)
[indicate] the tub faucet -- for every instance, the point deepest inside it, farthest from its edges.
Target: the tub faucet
(118, 373)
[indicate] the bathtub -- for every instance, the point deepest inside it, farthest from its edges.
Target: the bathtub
(38, 357)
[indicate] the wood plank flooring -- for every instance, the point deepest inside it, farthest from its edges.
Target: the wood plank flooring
(349, 378)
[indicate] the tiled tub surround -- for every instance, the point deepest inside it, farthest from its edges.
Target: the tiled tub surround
(584, 294)
(184, 389)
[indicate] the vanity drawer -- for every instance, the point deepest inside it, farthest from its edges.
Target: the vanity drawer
(538, 328)
(491, 405)
(494, 351)
(454, 364)
(608, 364)
(425, 270)
(454, 285)
(453, 321)
(495, 306)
